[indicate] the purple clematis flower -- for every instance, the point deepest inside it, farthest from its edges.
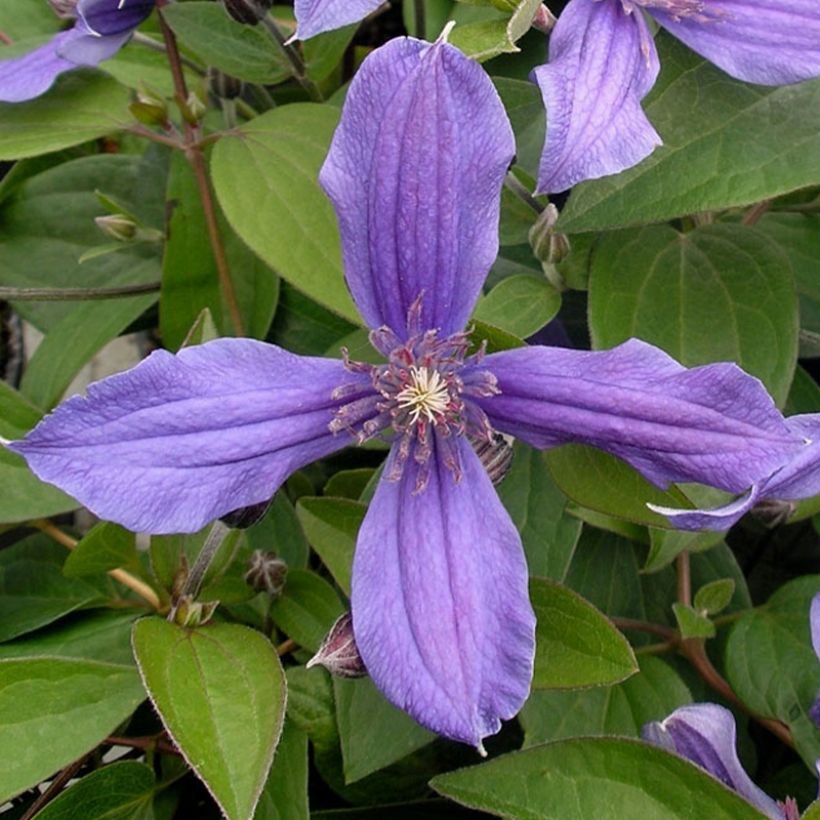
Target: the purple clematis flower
(439, 601)
(101, 30)
(814, 624)
(316, 16)
(799, 479)
(705, 734)
(603, 62)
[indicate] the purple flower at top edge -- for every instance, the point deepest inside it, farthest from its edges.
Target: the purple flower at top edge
(102, 28)
(317, 16)
(705, 734)
(603, 62)
(439, 602)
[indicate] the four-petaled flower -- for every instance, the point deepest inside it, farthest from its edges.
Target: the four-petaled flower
(101, 30)
(603, 62)
(439, 600)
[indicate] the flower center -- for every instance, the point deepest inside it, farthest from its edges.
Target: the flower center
(427, 394)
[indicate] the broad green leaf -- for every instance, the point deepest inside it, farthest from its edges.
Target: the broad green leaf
(69, 706)
(812, 812)
(765, 139)
(17, 414)
(519, 304)
(718, 293)
(589, 778)
(373, 732)
(285, 796)
(246, 52)
(311, 706)
(522, 102)
(105, 547)
(280, 532)
(142, 68)
(220, 691)
(33, 590)
(349, 483)
(331, 526)
(496, 338)
(771, 665)
(47, 224)
(575, 645)
(715, 596)
(266, 177)
(539, 510)
(489, 38)
(604, 483)
(121, 791)
(27, 18)
(306, 609)
(101, 635)
(81, 106)
(655, 692)
(692, 624)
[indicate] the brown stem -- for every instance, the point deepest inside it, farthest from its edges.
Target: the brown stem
(148, 134)
(5, 39)
(54, 788)
(752, 216)
(193, 152)
(512, 183)
(125, 578)
(665, 632)
(694, 651)
(285, 647)
(684, 571)
(74, 294)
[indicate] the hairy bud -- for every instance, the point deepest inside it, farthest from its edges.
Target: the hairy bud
(266, 573)
(249, 12)
(544, 20)
(338, 652)
(149, 108)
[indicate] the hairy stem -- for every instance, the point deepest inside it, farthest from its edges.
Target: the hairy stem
(665, 632)
(512, 184)
(54, 788)
(74, 294)
(193, 152)
(125, 578)
(286, 647)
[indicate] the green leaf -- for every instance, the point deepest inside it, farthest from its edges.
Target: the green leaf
(17, 414)
(331, 526)
(812, 812)
(666, 545)
(311, 706)
(519, 304)
(655, 692)
(266, 177)
(718, 293)
(691, 623)
(81, 106)
(285, 796)
(69, 706)
(280, 532)
(120, 791)
(373, 732)
(489, 38)
(33, 590)
(105, 547)
(764, 138)
(539, 511)
(715, 596)
(220, 691)
(349, 483)
(27, 18)
(245, 52)
(604, 483)
(575, 645)
(522, 102)
(771, 665)
(586, 778)
(306, 609)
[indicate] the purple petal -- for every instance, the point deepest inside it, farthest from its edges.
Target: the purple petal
(29, 76)
(769, 43)
(315, 16)
(181, 440)
(814, 620)
(415, 172)
(107, 17)
(602, 63)
(439, 599)
(91, 50)
(800, 478)
(719, 518)
(705, 734)
(714, 424)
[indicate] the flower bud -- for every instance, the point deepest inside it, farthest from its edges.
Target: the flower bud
(249, 12)
(338, 652)
(266, 573)
(63, 8)
(117, 226)
(194, 109)
(547, 245)
(192, 614)
(149, 108)
(772, 513)
(544, 19)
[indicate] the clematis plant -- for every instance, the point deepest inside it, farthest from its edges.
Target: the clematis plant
(439, 600)
(603, 62)
(101, 29)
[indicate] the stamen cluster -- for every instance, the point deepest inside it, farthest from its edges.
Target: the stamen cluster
(423, 393)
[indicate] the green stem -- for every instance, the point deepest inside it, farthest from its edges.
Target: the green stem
(512, 184)
(74, 294)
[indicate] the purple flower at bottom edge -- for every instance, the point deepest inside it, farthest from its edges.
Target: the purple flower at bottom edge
(603, 62)
(705, 734)
(814, 625)
(101, 30)
(439, 600)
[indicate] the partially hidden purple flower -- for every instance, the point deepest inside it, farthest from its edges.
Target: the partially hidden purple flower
(317, 16)
(603, 62)
(439, 600)
(799, 479)
(102, 28)
(705, 734)
(814, 624)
